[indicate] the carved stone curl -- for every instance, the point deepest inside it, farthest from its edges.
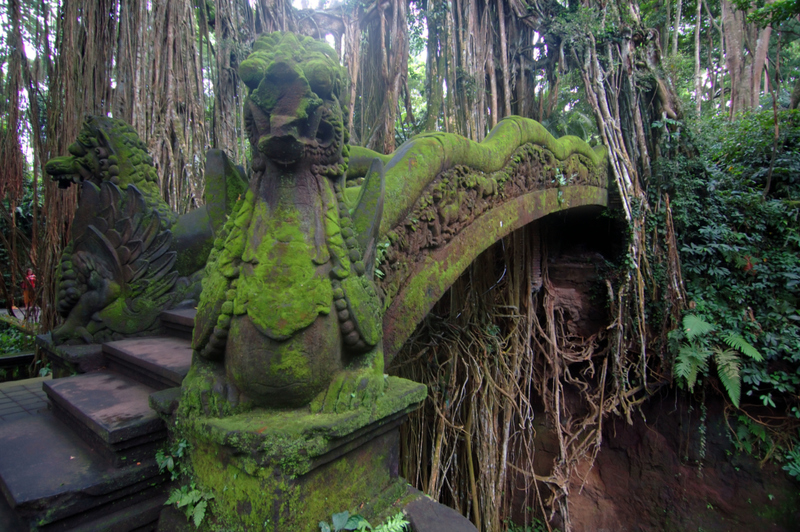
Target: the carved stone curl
(129, 256)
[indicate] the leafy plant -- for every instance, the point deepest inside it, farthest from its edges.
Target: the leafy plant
(694, 355)
(169, 459)
(45, 370)
(192, 501)
(345, 522)
(188, 498)
(793, 462)
(13, 340)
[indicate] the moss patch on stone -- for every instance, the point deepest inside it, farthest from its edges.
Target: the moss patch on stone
(287, 470)
(417, 162)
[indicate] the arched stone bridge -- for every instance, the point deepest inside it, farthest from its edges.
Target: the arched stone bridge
(449, 198)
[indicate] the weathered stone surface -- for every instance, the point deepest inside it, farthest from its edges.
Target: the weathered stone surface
(225, 185)
(165, 402)
(289, 314)
(179, 322)
(182, 317)
(111, 412)
(288, 469)
(48, 473)
(21, 399)
(130, 256)
(118, 272)
(158, 361)
(426, 515)
(113, 406)
(67, 360)
(417, 278)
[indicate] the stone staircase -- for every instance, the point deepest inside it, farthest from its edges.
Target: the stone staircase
(87, 463)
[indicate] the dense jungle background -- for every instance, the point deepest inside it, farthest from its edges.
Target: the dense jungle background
(693, 274)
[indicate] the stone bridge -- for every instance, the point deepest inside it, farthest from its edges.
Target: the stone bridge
(314, 271)
(434, 227)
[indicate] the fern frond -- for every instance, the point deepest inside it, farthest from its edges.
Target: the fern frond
(695, 326)
(728, 363)
(737, 342)
(691, 360)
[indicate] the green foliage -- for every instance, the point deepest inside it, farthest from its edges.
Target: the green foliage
(188, 498)
(694, 355)
(192, 501)
(344, 521)
(740, 250)
(740, 255)
(769, 14)
(793, 462)
(170, 459)
(13, 340)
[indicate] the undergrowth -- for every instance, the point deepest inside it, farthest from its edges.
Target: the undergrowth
(193, 502)
(736, 203)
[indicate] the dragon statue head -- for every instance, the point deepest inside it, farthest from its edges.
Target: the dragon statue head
(118, 270)
(293, 112)
(109, 150)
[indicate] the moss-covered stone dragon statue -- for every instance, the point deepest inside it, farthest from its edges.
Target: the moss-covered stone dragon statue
(289, 313)
(129, 256)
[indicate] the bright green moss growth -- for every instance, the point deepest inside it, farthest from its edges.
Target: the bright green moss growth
(417, 162)
(287, 470)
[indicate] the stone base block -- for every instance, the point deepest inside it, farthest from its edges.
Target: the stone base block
(288, 470)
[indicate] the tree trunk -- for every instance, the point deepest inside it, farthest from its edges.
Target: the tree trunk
(676, 28)
(436, 49)
(698, 79)
(744, 68)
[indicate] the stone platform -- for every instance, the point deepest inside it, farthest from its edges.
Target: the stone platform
(85, 460)
(19, 399)
(77, 453)
(277, 470)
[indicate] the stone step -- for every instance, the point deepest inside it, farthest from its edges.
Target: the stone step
(179, 322)
(66, 360)
(111, 412)
(159, 361)
(53, 481)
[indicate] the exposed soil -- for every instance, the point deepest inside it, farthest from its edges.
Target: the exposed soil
(656, 474)
(650, 476)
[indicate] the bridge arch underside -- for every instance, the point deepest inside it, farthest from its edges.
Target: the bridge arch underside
(427, 277)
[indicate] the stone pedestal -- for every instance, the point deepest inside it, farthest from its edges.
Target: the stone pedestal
(289, 469)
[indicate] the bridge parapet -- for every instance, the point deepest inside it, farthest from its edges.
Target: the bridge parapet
(449, 198)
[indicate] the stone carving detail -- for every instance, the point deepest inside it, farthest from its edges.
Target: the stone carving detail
(289, 314)
(110, 150)
(119, 270)
(458, 196)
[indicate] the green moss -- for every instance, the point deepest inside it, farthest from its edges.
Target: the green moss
(293, 65)
(417, 163)
(270, 470)
(419, 285)
(284, 293)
